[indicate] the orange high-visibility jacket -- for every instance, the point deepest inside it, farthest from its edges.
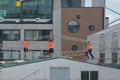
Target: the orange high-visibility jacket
(25, 44)
(89, 45)
(51, 44)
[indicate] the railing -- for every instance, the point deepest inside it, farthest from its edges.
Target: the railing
(73, 53)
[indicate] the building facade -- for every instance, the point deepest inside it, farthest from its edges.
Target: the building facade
(38, 20)
(32, 20)
(73, 23)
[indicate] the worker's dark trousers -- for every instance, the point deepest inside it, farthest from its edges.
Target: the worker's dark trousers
(90, 52)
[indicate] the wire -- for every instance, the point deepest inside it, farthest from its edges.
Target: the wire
(112, 10)
(114, 20)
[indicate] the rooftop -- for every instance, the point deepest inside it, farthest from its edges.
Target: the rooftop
(22, 62)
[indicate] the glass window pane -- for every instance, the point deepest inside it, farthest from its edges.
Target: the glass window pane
(71, 3)
(31, 35)
(93, 75)
(31, 9)
(37, 34)
(74, 48)
(91, 27)
(73, 26)
(9, 35)
(84, 75)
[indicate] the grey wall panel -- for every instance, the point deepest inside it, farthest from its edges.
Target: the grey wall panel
(57, 31)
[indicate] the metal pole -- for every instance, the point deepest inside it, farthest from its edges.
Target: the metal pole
(0, 73)
(21, 9)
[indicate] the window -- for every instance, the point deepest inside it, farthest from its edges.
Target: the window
(78, 16)
(71, 3)
(31, 9)
(91, 27)
(11, 35)
(2, 13)
(89, 75)
(11, 54)
(93, 75)
(40, 35)
(74, 48)
(59, 73)
(84, 75)
(73, 26)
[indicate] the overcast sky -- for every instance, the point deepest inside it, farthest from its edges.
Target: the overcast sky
(112, 4)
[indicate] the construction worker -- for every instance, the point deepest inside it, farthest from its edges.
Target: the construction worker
(89, 48)
(25, 45)
(51, 47)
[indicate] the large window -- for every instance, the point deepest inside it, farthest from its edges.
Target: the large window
(30, 8)
(73, 26)
(11, 35)
(71, 3)
(40, 35)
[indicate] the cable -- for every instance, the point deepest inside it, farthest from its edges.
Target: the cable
(112, 10)
(114, 20)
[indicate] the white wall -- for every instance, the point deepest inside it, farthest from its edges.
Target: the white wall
(108, 40)
(43, 70)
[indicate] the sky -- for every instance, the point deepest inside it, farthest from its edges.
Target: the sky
(112, 4)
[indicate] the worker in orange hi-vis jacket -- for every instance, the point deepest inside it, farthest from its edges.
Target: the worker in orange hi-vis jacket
(25, 45)
(51, 47)
(89, 48)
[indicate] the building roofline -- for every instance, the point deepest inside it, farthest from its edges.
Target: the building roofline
(116, 66)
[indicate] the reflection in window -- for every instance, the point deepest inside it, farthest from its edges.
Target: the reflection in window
(78, 16)
(2, 13)
(11, 35)
(31, 9)
(73, 26)
(93, 75)
(84, 75)
(74, 48)
(38, 34)
(89, 75)
(71, 3)
(91, 27)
